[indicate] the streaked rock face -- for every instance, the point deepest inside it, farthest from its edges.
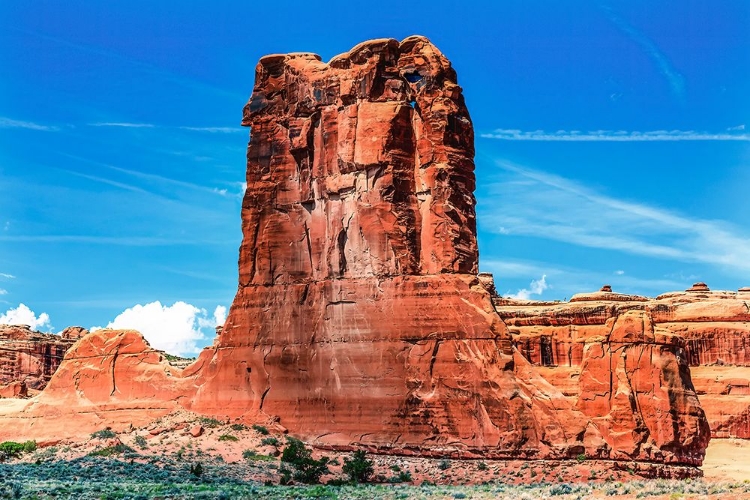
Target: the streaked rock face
(28, 359)
(359, 318)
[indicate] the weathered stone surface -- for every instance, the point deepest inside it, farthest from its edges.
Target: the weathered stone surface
(109, 378)
(702, 328)
(360, 319)
(29, 358)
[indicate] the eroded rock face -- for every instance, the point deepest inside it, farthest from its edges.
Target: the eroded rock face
(28, 359)
(109, 378)
(360, 319)
(709, 331)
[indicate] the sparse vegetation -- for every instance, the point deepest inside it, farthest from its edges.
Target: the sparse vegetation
(270, 441)
(360, 468)
(444, 465)
(210, 423)
(141, 442)
(238, 427)
(11, 449)
(104, 434)
(116, 449)
(306, 469)
(260, 429)
(228, 437)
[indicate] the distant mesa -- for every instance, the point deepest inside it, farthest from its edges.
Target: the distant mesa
(698, 287)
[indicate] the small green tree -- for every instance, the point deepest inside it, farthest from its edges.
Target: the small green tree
(360, 468)
(307, 469)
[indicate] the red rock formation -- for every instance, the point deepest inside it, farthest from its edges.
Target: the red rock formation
(109, 378)
(698, 327)
(359, 318)
(28, 359)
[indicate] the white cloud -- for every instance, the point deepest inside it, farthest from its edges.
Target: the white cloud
(619, 272)
(22, 315)
(7, 276)
(175, 329)
(556, 208)
(615, 135)
(537, 287)
(3, 291)
(215, 130)
(6, 226)
(737, 128)
(122, 124)
(9, 123)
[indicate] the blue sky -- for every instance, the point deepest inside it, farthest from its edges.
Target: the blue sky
(611, 146)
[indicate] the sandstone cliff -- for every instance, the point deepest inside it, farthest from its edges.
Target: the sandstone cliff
(710, 331)
(28, 359)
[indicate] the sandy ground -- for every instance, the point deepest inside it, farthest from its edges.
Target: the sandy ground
(727, 460)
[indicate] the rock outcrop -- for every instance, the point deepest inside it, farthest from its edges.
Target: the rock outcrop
(28, 359)
(109, 378)
(360, 320)
(709, 331)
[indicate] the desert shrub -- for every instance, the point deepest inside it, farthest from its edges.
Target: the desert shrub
(140, 441)
(104, 434)
(196, 469)
(228, 437)
(444, 465)
(210, 423)
(482, 466)
(11, 449)
(307, 469)
(238, 427)
(117, 449)
(270, 441)
(581, 458)
(360, 468)
(404, 476)
(561, 489)
(249, 454)
(260, 429)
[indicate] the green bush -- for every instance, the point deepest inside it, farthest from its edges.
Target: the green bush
(104, 434)
(117, 449)
(196, 469)
(209, 422)
(360, 468)
(11, 448)
(307, 469)
(140, 441)
(228, 437)
(270, 441)
(238, 427)
(444, 465)
(260, 429)
(581, 458)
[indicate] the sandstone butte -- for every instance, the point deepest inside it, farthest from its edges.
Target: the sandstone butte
(360, 320)
(576, 343)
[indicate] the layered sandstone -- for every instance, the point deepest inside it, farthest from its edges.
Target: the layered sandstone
(109, 378)
(28, 359)
(707, 330)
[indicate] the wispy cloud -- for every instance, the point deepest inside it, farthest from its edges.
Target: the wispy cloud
(3, 291)
(7, 276)
(674, 77)
(616, 135)
(136, 241)
(216, 130)
(10, 123)
(122, 124)
(553, 207)
(103, 180)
